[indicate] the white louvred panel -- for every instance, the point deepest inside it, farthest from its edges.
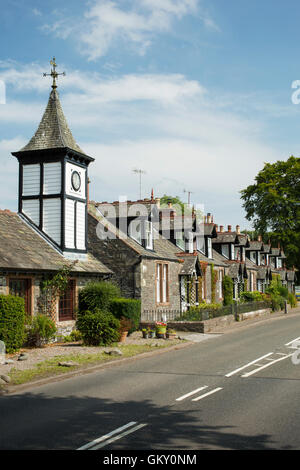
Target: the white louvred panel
(31, 180)
(31, 209)
(80, 226)
(69, 223)
(52, 219)
(52, 178)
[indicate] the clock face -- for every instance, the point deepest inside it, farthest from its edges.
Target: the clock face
(76, 180)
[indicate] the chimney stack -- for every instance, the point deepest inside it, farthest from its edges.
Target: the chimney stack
(208, 218)
(229, 228)
(221, 228)
(238, 229)
(259, 238)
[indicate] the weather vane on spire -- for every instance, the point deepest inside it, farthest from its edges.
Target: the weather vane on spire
(53, 73)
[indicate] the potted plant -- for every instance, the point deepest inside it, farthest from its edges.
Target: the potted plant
(125, 326)
(145, 332)
(161, 329)
(151, 334)
(171, 334)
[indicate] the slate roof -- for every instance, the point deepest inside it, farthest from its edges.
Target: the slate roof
(236, 269)
(226, 237)
(163, 248)
(23, 249)
(53, 130)
(251, 265)
(263, 272)
(190, 264)
(255, 245)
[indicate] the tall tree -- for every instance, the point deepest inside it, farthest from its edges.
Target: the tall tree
(273, 205)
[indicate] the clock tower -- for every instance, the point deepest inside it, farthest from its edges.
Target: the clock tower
(53, 178)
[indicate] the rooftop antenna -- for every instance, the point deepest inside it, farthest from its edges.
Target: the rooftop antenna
(139, 172)
(189, 196)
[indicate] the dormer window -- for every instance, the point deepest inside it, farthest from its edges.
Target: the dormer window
(279, 263)
(209, 248)
(148, 235)
(135, 230)
(200, 244)
(189, 245)
(237, 253)
(253, 256)
(179, 237)
(225, 251)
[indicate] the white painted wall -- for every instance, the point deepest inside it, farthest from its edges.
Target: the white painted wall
(69, 189)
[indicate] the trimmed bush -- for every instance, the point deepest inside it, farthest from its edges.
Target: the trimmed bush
(41, 331)
(127, 308)
(12, 322)
(292, 300)
(227, 290)
(98, 328)
(254, 296)
(97, 295)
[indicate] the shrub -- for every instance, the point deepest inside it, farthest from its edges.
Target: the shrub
(292, 300)
(128, 308)
(254, 296)
(75, 335)
(12, 322)
(97, 295)
(98, 328)
(41, 331)
(203, 311)
(227, 290)
(278, 294)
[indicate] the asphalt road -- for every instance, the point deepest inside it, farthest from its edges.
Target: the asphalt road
(238, 390)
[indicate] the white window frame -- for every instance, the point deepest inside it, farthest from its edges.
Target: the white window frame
(209, 248)
(149, 235)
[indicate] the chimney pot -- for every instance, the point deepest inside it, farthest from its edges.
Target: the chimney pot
(221, 228)
(238, 229)
(229, 228)
(209, 218)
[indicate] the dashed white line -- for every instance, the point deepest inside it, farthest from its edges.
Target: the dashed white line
(119, 436)
(208, 393)
(247, 365)
(266, 365)
(191, 393)
(106, 436)
(293, 341)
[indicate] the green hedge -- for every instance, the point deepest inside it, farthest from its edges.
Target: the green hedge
(98, 328)
(227, 290)
(97, 295)
(128, 308)
(251, 296)
(12, 322)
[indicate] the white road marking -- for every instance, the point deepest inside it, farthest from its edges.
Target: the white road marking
(106, 436)
(291, 342)
(266, 365)
(109, 441)
(206, 394)
(247, 365)
(191, 393)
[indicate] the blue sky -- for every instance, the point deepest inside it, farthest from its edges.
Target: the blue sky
(197, 93)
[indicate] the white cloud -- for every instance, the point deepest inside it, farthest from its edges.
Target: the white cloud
(166, 124)
(107, 22)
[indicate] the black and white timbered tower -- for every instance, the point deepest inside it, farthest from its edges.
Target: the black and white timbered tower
(53, 181)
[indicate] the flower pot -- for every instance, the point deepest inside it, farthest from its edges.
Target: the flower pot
(151, 334)
(123, 336)
(145, 334)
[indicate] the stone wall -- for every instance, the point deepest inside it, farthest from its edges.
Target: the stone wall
(148, 277)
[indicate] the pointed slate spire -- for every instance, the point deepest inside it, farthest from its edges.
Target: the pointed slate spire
(53, 131)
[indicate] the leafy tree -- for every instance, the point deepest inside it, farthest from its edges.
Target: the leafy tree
(273, 205)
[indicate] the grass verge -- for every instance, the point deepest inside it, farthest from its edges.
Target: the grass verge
(50, 367)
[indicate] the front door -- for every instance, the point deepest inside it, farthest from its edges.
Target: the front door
(21, 288)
